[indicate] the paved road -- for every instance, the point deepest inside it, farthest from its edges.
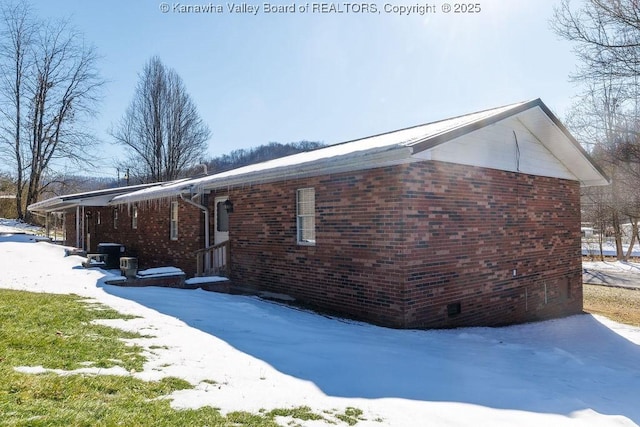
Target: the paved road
(622, 279)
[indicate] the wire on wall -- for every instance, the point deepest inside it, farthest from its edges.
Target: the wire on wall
(517, 214)
(515, 137)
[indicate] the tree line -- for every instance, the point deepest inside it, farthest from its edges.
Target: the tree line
(262, 153)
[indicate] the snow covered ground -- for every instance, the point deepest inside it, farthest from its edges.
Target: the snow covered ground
(624, 274)
(613, 266)
(15, 226)
(608, 249)
(242, 353)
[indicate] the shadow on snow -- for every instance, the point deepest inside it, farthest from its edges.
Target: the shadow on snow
(558, 366)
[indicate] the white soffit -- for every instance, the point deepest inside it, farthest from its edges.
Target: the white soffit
(562, 147)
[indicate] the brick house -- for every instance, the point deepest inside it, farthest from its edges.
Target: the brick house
(473, 220)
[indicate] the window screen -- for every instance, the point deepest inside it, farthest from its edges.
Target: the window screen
(174, 221)
(306, 214)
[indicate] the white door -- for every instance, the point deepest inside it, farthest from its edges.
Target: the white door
(221, 218)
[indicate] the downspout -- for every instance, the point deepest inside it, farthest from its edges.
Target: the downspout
(78, 226)
(205, 210)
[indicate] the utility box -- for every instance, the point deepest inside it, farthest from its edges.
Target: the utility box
(129, 267)
(113, 251)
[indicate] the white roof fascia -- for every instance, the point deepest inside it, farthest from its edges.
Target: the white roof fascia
(45, 205)
(99, 197)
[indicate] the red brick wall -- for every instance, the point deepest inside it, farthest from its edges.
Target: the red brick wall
(397, 245)
(150, 242)
(468, 228)
(355, 266)
(70, 228)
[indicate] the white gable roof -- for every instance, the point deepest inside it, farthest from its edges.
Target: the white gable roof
(536, 130)
(527, 139)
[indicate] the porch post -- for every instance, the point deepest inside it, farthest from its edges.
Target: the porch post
(83, 222)
(78, 226)
(46, 224)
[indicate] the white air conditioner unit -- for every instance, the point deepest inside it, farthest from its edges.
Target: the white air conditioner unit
(129, 267)
(97, 258)
(128, 262)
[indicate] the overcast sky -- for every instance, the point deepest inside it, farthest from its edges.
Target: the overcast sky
(330, 77)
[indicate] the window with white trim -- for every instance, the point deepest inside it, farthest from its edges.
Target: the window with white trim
(174, 221)
(115, 219)
(134, 218)
(306, 216)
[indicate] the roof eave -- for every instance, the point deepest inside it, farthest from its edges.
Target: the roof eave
(606, 180)
(89, 198)
(45, 206)
(351, 162)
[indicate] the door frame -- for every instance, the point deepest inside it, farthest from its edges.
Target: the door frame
(219, 236)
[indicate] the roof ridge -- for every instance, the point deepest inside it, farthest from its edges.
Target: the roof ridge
(515, 104)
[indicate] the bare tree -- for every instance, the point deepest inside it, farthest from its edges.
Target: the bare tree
(161, 127)
(49, 86)
(606, 34)
(15, 42)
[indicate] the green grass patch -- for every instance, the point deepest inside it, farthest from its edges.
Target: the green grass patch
(350, 416)
(57, 332)
(302, 413)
